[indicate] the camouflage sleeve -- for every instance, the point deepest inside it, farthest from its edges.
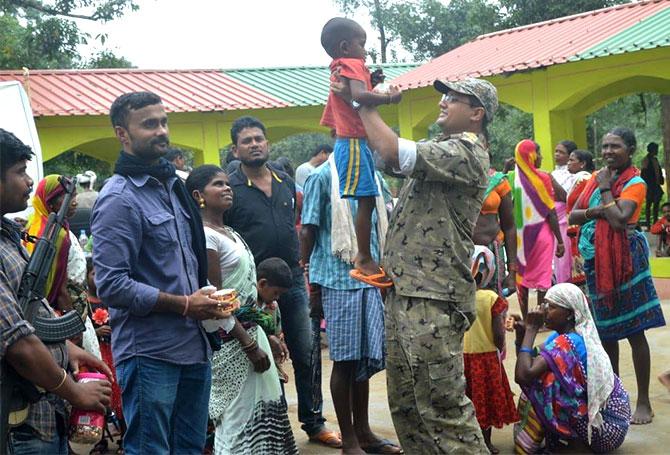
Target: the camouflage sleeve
(452, 161)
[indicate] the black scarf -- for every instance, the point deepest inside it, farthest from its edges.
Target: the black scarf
(130, 165)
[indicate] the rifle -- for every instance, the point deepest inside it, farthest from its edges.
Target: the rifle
(17, 393)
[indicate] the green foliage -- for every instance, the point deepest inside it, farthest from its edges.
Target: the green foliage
(510, 125)
(72, 163)
(37, 34)
(429, 28)
(107, 59)
(40, 43)
(299, 147)
(640, 112)
(523, 12)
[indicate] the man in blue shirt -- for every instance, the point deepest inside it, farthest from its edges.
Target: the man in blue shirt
(150, 263)
(353, 310)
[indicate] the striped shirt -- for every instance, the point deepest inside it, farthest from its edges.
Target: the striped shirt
(13, 260)
(324, 267)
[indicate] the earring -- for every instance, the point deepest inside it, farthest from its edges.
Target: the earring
(201, 201)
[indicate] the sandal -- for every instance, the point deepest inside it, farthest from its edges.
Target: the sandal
(328, 438)
(379, 280)
(382, 446)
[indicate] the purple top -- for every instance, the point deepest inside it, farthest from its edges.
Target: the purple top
(142, 245)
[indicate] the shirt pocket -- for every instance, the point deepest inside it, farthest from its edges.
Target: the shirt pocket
(161, 232)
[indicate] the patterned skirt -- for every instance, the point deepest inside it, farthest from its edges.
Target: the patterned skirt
(488, 389)
(531, 437)
(248, 408)
(640, 311)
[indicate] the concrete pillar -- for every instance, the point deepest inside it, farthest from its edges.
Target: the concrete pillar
(579, 131)
(210, 150)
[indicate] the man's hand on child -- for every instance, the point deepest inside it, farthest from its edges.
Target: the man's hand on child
(394, 94)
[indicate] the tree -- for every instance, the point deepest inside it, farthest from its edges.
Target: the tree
(72, 163)
(40, 43)
(107, 59)
(299, 147)
(429, 28)
(524, 12)
(380, 14)
(40, 34)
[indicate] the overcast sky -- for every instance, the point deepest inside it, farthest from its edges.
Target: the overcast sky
(175, 34)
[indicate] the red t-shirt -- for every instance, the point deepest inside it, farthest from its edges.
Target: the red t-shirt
(338, 113)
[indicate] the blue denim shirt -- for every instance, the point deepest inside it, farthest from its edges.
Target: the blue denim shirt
(142, 245)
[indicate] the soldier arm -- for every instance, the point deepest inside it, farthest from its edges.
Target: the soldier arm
(452, 161)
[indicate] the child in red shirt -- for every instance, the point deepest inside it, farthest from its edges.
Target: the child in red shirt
(662, 229)
(344, 40)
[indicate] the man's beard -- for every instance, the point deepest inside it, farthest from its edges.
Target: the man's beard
(148, 152)
(256, 162)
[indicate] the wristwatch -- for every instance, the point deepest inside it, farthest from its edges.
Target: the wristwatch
(355, 104)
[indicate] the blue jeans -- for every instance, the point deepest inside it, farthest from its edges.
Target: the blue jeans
(165, 405)
(24, 441)
(294, 307)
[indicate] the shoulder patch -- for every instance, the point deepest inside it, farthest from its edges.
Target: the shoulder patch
(469, 137)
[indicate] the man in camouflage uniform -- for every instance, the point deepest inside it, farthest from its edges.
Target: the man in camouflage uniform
(427, 254)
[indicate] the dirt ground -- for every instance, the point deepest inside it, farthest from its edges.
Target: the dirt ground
(642, 439)
(645, 439)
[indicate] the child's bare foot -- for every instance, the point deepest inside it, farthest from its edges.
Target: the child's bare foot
(493, 449)
(366, 265)
(487, 440)
(665, 379)
(643, 414)
(369, 272)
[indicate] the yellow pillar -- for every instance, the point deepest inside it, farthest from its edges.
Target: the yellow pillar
(542, 116)
(579, 131)
(210, 142)
(405, 120)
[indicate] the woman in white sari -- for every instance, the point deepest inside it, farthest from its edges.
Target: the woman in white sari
(246, 402)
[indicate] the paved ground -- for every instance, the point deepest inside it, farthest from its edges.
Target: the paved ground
(644, 439)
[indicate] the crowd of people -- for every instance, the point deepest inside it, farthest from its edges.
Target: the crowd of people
(200, 285)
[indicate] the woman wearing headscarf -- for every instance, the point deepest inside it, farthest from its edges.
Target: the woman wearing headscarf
(65, 287)
(48, 198)
(570, 392)
(616, 260)
(537, 225)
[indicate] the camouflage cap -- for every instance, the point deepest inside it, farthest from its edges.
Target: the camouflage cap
(483, 90)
